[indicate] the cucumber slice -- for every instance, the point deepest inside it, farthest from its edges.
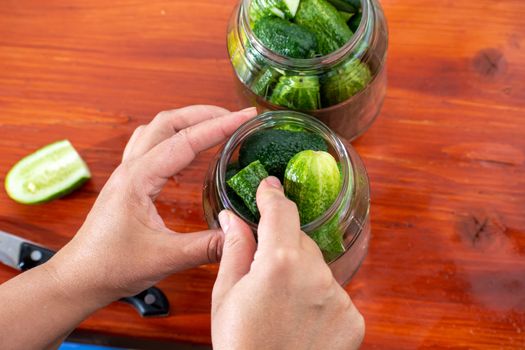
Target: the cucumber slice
(51, 172)
(246, 182)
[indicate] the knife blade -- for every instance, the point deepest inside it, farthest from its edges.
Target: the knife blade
(23, 255)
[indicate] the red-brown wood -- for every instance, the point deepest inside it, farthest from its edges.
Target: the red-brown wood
(446, 158)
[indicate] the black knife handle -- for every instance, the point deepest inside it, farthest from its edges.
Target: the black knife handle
(149, 303)
(32, 255)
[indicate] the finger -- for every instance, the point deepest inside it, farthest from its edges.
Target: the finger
(177, 152)
(168, 123)
(237, 253)
(279, 224)
(132, 140)
(189, 250)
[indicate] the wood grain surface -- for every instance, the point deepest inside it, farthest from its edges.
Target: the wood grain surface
(446, 157)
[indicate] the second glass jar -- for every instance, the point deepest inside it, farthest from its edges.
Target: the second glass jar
(349, 214)
(345, 89)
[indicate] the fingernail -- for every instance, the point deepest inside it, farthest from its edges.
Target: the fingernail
(273, 181)
(249, 109)
(224, 220)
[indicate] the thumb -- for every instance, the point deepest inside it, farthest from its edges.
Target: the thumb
(237, 253)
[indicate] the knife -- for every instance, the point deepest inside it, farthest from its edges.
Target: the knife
(23, 255)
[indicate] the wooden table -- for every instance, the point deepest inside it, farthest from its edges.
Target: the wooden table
(446, 158)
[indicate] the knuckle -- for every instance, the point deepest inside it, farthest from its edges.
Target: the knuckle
(215, 245)
(284, 259)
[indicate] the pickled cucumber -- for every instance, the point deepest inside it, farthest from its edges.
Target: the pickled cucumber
(297, 92)
(285, 38)
(325, 22)
(344, 82)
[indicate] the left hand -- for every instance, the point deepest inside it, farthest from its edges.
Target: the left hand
(124, 246)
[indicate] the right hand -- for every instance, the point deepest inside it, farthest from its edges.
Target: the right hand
(279, 294)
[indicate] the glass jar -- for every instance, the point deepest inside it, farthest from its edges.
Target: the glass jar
(349, 214)
(345, 89)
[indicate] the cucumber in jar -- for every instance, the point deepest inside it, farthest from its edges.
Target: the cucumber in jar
(327, 24)
(346, 5)
(313, 181)
(285, 38)
(285, 9)
(344, 82)
(265, 81)
(299, 92)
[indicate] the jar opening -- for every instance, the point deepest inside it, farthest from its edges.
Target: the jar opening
(309, 63)
(270, 120)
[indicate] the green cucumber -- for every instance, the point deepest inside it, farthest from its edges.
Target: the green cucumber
(246, 182)
(236, 201)
(285, 38)
(344, 82)
(264, 83)
(312, 180)
(346, 15)
(299, 92)
(354, 22)
(346, 5)
(328, 26)
(274, 148)
(272, 8)
(51, 172)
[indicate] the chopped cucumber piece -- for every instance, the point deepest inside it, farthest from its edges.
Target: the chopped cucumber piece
(297, 92)
(323, 19)
(285, 38)
(236, 201)
(51, 172)
(246, 182)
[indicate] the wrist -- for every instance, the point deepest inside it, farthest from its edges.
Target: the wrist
(75, 284)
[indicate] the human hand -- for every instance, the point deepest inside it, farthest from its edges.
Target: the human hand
(279, 294)
(124, 247)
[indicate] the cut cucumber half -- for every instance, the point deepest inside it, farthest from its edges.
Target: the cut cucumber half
(51, 172)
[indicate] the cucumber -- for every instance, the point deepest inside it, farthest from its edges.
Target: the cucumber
(51, 172)
(344, 82)
(354, 22)
(346, 15)
(246, 182)
(236, 201)
(325, 22)
(312, 180)
(264, 83)
(300, 92)
(285, 9)
(346, 5)
(274, 148)
(285, 38)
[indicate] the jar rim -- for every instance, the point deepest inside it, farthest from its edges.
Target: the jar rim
(268, 120)
(310, 63)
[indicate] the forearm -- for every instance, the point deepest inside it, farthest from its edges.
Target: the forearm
(37, 310)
